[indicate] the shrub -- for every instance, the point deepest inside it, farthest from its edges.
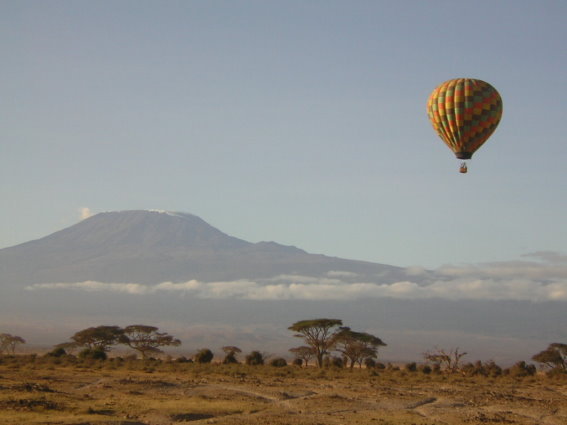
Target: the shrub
(333, 362)
(255, 358)
(278, 362)
(411, 367)
(57, 352)
(425, 369)
(230, 358)
(370, 363)
(483, 369)
(522, 369)
(556, 372)
(298, 362)
(492, 369)
(93, 354)
(470, 369)
(204, 355)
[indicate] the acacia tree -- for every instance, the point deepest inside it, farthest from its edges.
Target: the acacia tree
(554, 356)
(9, 342)
(97, 338)
(357, 346)
(319, 334)
(450, 360)
(146, 339)
(304, 353)
(230, 354)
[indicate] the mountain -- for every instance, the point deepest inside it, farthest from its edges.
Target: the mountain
(150, 247)
(207, 288)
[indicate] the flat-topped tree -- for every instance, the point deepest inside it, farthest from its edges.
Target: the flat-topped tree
(319, 334)
(555, 356)
(147, 339)
(357, 346)
(230, 354)
(303, 353)
(97, 338)
(8, 342)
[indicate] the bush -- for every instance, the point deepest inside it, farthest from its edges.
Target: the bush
(333, 362)
(230, 358)
(57, 352)
(556, 372)
(492, 369)
(255, 358)
(471, 369)
(370, 363)
(522, 369)
(278, 362)
(298, 362)
(204, 355)
(93, 354)
(425, 369)
(483, 369)
(411, 367)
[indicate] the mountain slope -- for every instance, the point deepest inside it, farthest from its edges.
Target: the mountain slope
(150, 247)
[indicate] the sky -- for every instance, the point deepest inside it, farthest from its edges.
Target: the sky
(300, 122)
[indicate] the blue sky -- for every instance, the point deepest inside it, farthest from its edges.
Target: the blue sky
(301, 122)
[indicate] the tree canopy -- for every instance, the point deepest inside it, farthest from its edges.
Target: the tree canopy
(230, 354)
(357, 346)
(554, 356)
(99, 337)
(146, 339)
(319, 334)
(304, 353)
(9, 342)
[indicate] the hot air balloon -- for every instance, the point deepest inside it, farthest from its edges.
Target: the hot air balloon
(464, 112)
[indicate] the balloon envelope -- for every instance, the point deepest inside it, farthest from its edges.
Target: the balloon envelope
(464, 112)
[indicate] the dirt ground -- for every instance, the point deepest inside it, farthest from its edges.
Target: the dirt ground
(223, 395)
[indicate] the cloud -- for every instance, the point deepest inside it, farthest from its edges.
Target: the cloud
(416, 271)
(549, 256)
(85, 212)
(93, 286)
(339, 274)
(519, 280)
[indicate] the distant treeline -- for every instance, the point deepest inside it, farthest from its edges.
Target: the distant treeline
(326, 341)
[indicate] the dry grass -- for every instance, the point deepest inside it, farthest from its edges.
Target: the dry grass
(161, 393)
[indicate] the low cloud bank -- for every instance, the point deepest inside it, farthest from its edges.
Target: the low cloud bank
(542, 280)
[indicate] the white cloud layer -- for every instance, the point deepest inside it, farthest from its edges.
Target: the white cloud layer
(523, 280)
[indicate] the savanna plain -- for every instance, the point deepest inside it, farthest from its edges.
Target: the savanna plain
(43, 390)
